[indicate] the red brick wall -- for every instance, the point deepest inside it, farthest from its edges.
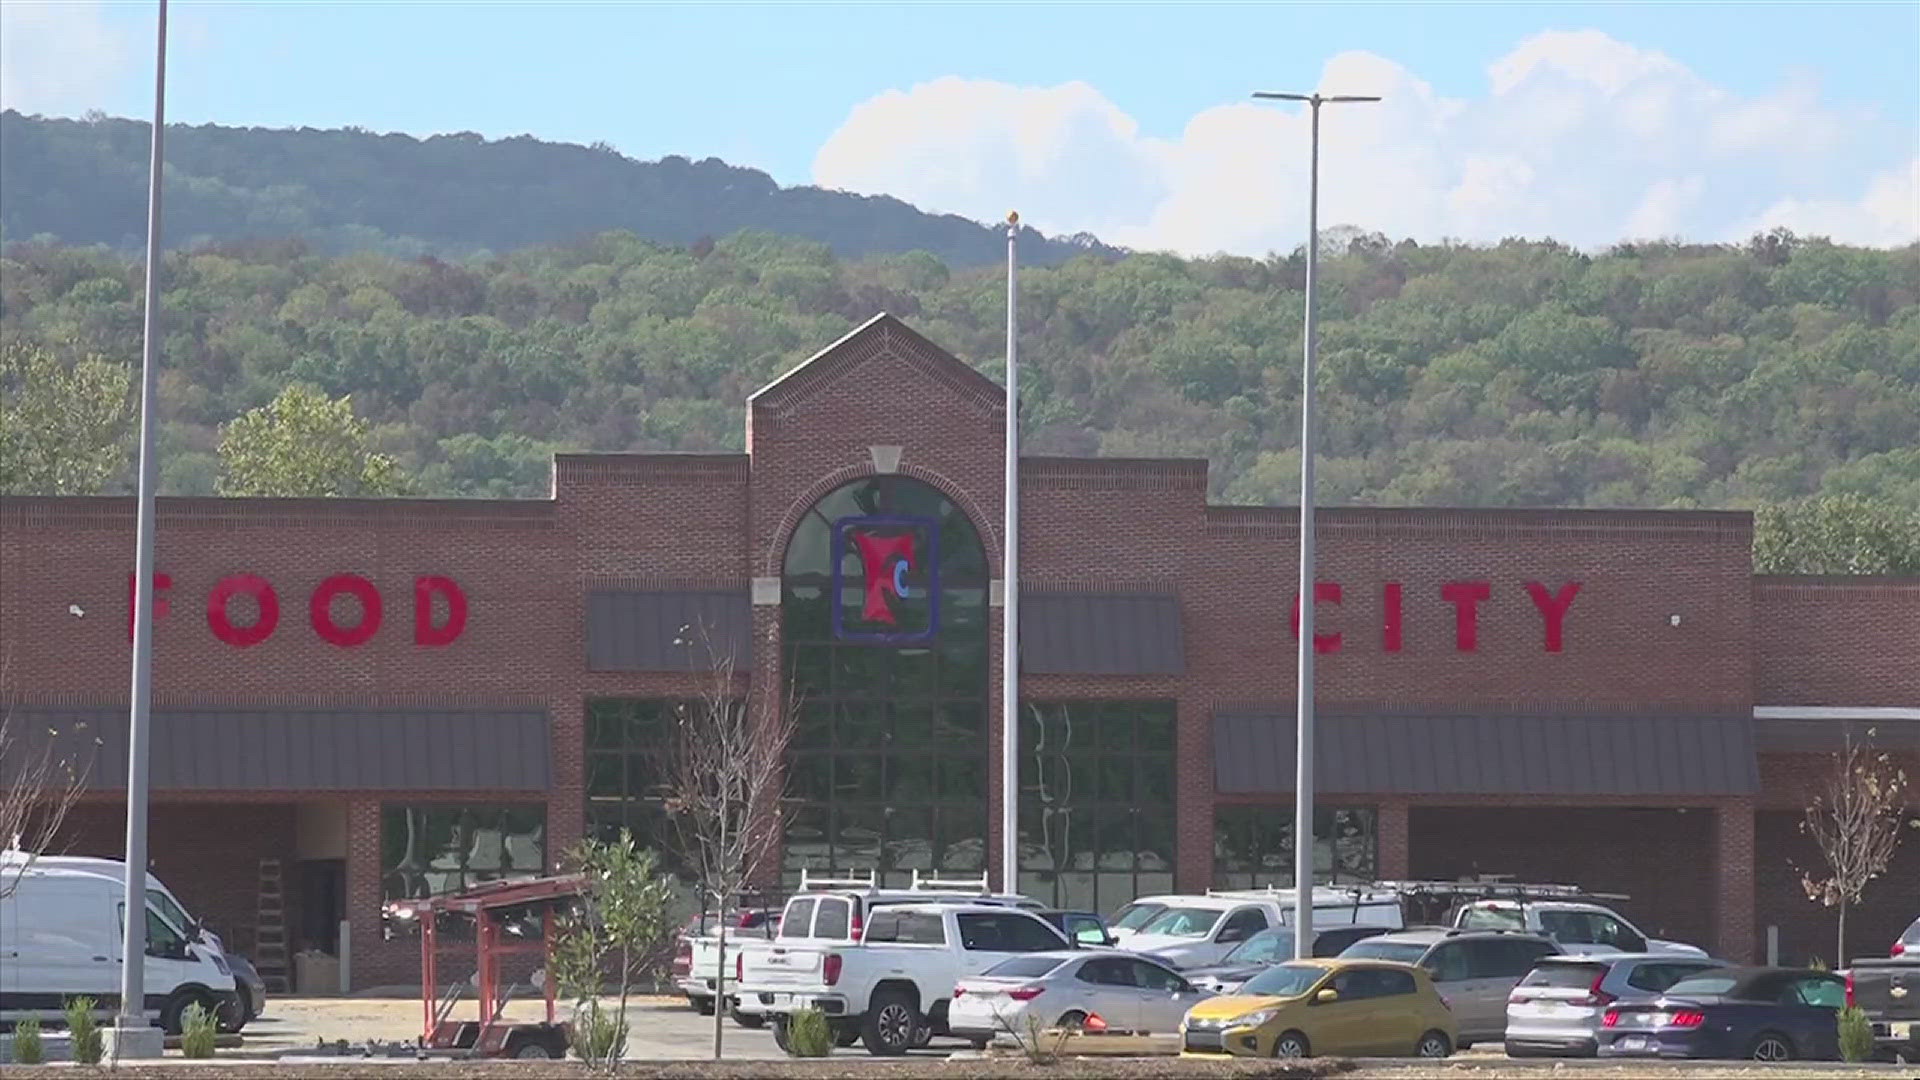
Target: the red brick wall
(1836, 641)
(1807, 929)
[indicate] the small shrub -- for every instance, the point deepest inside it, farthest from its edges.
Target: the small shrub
(1856, 1035)
(88, 1045)
(27, 1049)
(198, 1029)
(808, 1034)
(599, 1036)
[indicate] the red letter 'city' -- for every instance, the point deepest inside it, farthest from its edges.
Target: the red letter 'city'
(1324, 592)
(424, 632)
(1553, 608)
(161, 583)
(1465, 596)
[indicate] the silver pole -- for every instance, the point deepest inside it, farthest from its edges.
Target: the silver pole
(1303, 727)
(1010, 594)
(133, 938)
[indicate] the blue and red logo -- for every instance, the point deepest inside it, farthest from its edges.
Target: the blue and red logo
(895, 591)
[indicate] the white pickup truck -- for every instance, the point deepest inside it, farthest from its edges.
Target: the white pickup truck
(1578, 927)
(696, 960)
(891, 988)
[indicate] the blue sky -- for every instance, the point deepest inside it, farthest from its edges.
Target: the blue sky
(1051, 106)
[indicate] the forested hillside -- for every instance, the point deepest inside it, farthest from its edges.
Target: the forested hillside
(1521, 374)
(85, 182)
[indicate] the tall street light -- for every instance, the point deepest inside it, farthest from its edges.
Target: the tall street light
(1303, 727)
(132, 1020)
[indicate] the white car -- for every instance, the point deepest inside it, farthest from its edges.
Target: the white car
(1065, 989)
(1199, 931)
(891, 989)
(1577, 926)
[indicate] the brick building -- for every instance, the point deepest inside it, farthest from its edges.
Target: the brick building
(384, 697)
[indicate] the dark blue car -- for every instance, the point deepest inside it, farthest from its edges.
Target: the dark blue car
(1763, 1013)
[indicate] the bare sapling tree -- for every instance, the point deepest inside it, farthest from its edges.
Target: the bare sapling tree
(725, 778)
(1855, 819)
(623, 928)
(42, 776)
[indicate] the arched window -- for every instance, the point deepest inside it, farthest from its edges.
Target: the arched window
(884, 619)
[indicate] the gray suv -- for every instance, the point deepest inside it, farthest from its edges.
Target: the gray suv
(1556, 1010)
(1474, 970)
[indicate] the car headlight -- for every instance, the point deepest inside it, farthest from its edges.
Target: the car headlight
(220, 964)
(1253, 1019)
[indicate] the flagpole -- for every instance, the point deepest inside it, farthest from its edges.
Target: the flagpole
(131, 1030)
(1010, 593)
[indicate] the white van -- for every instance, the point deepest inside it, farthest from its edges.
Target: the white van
(60, 939)
(158, 895)
(1196, 931)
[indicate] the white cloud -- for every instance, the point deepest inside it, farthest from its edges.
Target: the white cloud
(1579, 136)
(62, 58)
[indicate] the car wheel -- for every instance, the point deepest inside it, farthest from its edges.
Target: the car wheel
(701, 1005)
(891, 1024)
(1434, 1044)
(979, 1043)
(235, 1017)
(748, 1020)
(533, 1050)
(845, 1035)
(1770, 1046)
(1072, 1020)
(173, 1016)
(1292, 1044)
(780, 1037)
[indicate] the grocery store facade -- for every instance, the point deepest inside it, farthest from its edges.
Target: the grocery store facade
(357, 700)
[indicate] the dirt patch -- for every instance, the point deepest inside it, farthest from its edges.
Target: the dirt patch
(828, 1069)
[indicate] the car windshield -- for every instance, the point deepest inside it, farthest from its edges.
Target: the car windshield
(1183, 922)
(1912, 936)
(1701, 984)
(1488, 918)
(1284, 980)
(1565, 976)
(170, 910)
(1023, 967)
(1265, 947)
(1404, 952)
(1135, 916)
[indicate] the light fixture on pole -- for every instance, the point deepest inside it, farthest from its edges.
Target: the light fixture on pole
(1303, 725)
(1010, 592)
(131, 1029)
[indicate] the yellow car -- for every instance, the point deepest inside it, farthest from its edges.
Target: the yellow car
(1352, 1008)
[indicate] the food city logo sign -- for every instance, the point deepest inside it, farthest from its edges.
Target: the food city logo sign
(429, 631)
(895, 579)
(1466, 597)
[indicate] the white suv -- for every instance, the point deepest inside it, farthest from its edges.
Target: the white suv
(1578, 927)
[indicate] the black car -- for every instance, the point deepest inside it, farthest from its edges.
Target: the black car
(1083, 928)
(1269, 947)
(1762, 1013)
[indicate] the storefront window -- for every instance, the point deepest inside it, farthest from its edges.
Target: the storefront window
(1096, 801)
(428, 849)
(626, 741)
(1253, 845)
(884, 617)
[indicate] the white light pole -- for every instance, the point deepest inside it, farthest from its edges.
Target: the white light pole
(1010, 594)
(133, 1005)
(1303, 726)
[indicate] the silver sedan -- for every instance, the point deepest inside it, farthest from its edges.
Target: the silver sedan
(1069, 989)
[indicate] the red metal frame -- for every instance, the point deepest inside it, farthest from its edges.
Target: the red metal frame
(485, 903)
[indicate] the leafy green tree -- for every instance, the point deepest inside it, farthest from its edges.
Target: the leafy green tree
(625, 929)
(304, 445)
(1837, 534)
(63, 427)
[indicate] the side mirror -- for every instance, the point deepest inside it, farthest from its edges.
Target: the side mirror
(1326, 997)
(1110, 940)
(1230, 936)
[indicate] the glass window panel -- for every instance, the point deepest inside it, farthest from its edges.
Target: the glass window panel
(806, 838)
(1083, 779)
(1116, 780)
(1111, 891)
(911, 778)
(857, 835)
(1155, 728)
(860, 671)
(1040, 886)
(962, 726)
(1114, 838)
(813, 727)
(913, 726)
(604, 776)
(1116, 728)
(1077, 892)
(910, 839)
(916, 673)
(644, 775)
(1153, 776)
(606, 726)
(963, 669)
(858, 777)
(963, 611)
(811, 778)
(1035, 851)
(861, 727)
(962, 835)
(1154, 832)
(811, 668)
(963, 777)
(1153, 884)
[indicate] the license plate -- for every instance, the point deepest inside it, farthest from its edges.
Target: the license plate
(1634, 1042)
(1901, 1029)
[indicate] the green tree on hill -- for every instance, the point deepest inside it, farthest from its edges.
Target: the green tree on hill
(304, 445)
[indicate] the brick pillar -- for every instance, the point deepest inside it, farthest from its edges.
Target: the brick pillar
(566, 791)
(1193, 796)
(1392, 852)
(363, 892)
(1733, 859)
(767, 690)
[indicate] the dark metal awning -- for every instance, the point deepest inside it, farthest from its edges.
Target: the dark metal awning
(1490, 755)
(297, 750)
(1099, 633)
(678, 630)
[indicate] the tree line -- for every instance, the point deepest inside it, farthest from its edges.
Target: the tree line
(1768, 374)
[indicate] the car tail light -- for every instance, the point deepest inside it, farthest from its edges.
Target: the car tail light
(683, 958)
(1611, 1019)
(830, 968)
(856, 926)
(1899, 947)
(1849, 989)
(1517, 998)
(959, 991)
(1025, 993)
(1687, 1018)
(1597, 996)
(739, 967)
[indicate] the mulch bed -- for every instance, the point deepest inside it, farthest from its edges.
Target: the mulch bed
(853, 1068)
